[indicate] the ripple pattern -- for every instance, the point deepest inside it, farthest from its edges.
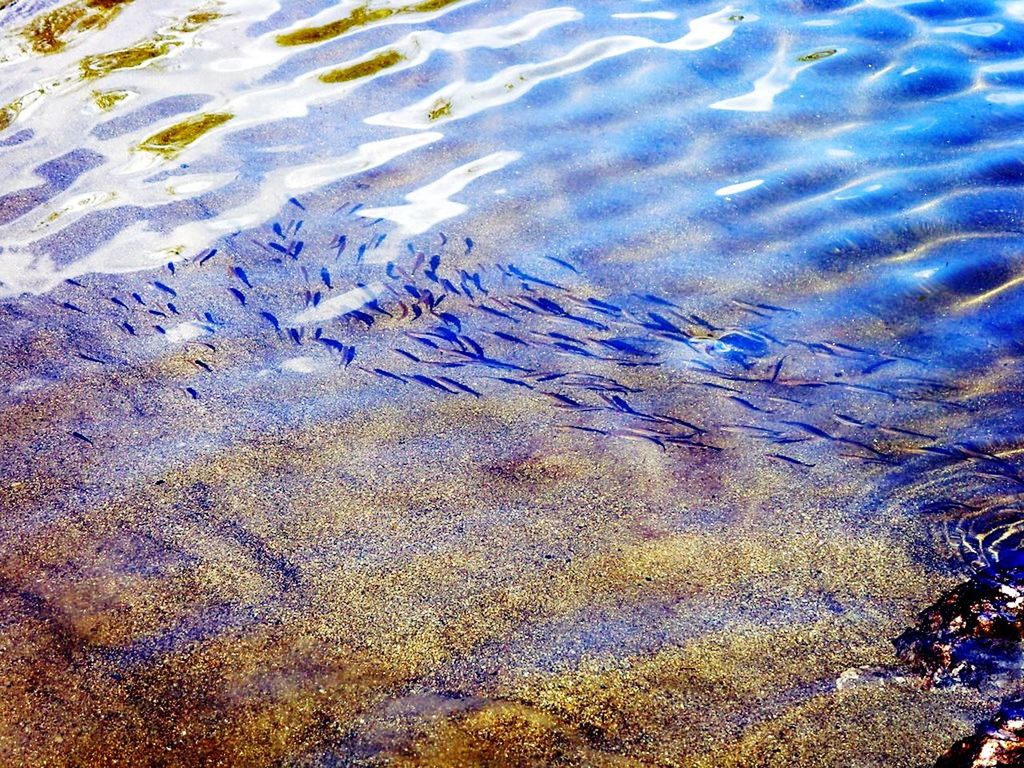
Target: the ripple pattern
(459, 382)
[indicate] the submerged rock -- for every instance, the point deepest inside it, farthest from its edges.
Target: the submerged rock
(998, 742)
(971, 634)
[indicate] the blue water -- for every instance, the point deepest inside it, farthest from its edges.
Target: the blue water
(775, 237)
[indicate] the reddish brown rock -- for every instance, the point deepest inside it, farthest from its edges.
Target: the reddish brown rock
(973, 632)
(995, 744)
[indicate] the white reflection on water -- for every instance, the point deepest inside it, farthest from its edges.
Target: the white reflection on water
(430, 205)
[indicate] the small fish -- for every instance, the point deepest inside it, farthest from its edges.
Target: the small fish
(119, 303)
(423, 340)
(429, 382)
(92, 359)
(566, 337)
(458, 385)
(296, 203)
(702, 322)
(129, 328)
(332, 344)
(510, 337)
(863, 446)
(409, 355)
(192, 393)
(909, 433)
(513, 382)
(212, 252)
(296, 335)
(340, 245)
(474, 279)
(204, 365)
(447, 334)
(604, 306)
(297, 247)
(518, 305)
(160, 329)
(451, 320)
(566, 402)
(75, 283)
(851, 348)
(875, 366)
(73, 307)
(389, 375)
(562, 263)
(238, 295)
(496, 312)
(325, 275)
(240, 274)
(842, 418)
(710, 385)
(165, 288)
(530, 278)
(376, 307)
(173, 308)
(620, 404)
(476, 347)
(361, 316)
(138, 299)
(810, 429)
(572, 349)
(632, 434)
(789, 459)
(650, 297)
(583, 429)
(747, 404)
(469, 245)
(749, 308)
(272, 319)
(624, 346)
(83, 438)
(661, 323)
(768, 307)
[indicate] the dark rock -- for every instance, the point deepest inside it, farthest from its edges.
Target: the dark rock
(998, 742)
(972, 634)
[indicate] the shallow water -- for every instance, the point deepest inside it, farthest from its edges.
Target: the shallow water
(452, 383)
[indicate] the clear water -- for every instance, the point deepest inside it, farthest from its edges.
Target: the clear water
(682, 332)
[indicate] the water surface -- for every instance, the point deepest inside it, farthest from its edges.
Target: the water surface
(454, 383)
